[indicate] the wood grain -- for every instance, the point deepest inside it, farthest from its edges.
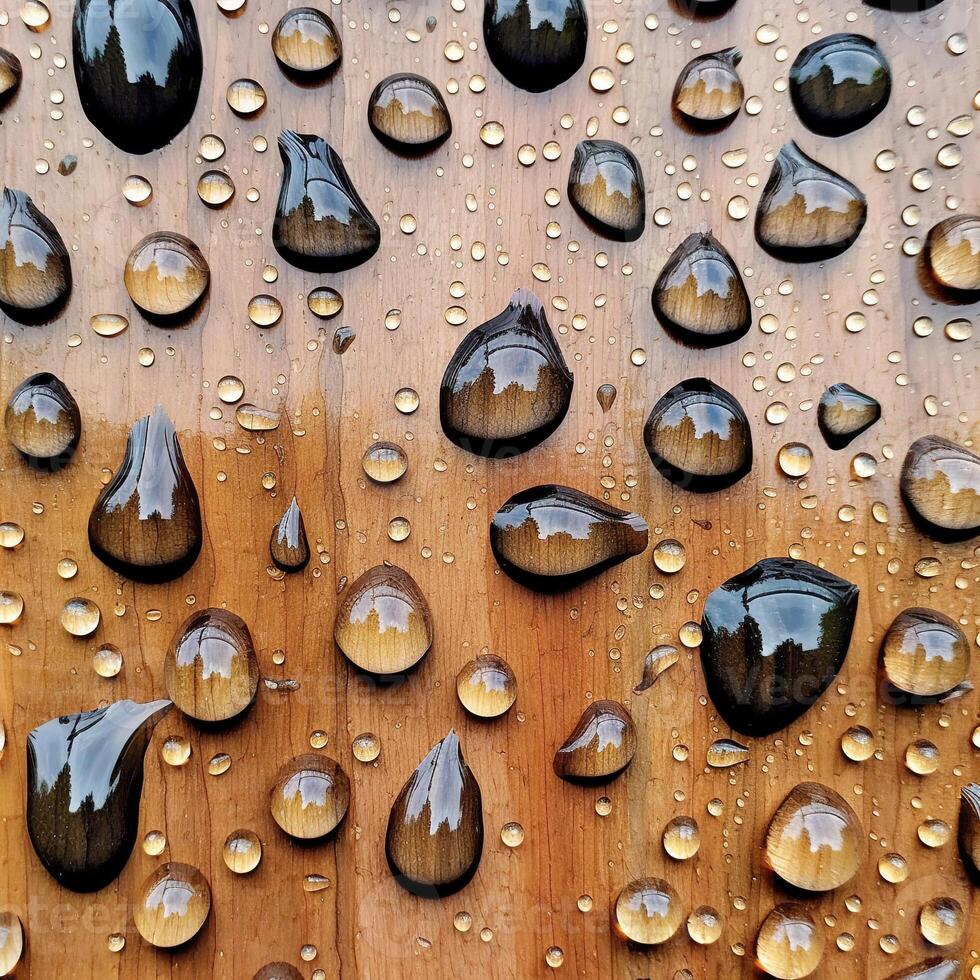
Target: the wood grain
(566, 649)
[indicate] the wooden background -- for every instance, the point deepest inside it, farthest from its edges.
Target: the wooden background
(566, 650)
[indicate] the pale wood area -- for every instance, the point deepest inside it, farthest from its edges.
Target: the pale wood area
(566, 649)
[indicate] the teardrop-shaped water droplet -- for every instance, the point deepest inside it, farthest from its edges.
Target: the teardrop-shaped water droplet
(552, 537)
(306, 44)
(774, 637)
(605, 186)
(435, 830)
(953, 254)
(605, 395)
(11, 942)
(709, 92)
(936, 967)
(844, 413)
(725, 752)
(172, 905)
(210, 671)
(507, 387)
(35, 271)
(11, 73)
(924, 654)
(166, 275)
(536, 44)
(408, 114)
(146, 522)
(383, 623)
(600, 747)
(43, 422)
(815, 841)
(839, 83)
(321, 224)
(84, 779)
(657, 661)
(698, 437)
(968, 832)
(289, 546)
(807, 212)
(138, 65)
(648, 912)
(310, 796)
(790, 944)
(699, 294)
(940, 485)
(486, 686)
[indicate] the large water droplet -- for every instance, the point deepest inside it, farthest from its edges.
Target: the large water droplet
(807, 212)
(321, 224)
(172, 905)
(146, 522)
(138, 66)
(936, 967)
(43, 422)
(647, 911)
(552, 537)
(601, 745)
(844, 413)
(605, 186)
(407, 113)
(657, 661)
(435, 830)
(289, 546)
(10, 75)
(306, 44)
(536, 44)
(486, 686)
(166, 275)
(953, 254)
(790, 944)
(709, 92)
(278, 971)
(815, 840)
(310, 797)
(924, 654)
(940, 485)
(84, 779)
(507, 387)
(968, 831)
(774, 637)
(11, 942)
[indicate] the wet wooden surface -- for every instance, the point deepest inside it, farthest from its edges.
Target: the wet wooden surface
(588, 643)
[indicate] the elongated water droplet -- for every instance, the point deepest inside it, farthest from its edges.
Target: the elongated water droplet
(435, 830)
(43, 422)
(254, 419)
(698, 437)
(657, 661)
(146, 522)
(486, 686)
(407, 113)
(601, 745)
(289, 546)
(321, 224)
(166, 275)
(844, 413)
(383, 624)
(310, 797)
(108, 324)
(725, 752)
(306, 44)
(953, 254)
(647, 911)
(507, 387)
(924, 654)
(968, 831)
(551, 537)
(172, 905)
(210, 671)
(774, 637)
(35, 271)
(790, 944)
(84, 779)
(138, 66)
(605, 186)
(807, 212)
(384, 462)
(936, 967)
(815, 841)
(700, 295)
(709, 92)
(940, 485)
(536, 45)
(11, 73)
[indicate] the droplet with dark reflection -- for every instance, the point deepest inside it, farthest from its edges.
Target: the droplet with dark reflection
(790, 944)
(507, 386)
(940, 484)
(935, 967)
(953, 254)
(709, 91)
(839, 83)
(814, 841)
(924, 654)
(408, 114)
(773, 639)
(84, 780)
(138, 65)
(306, 43)
(11, 73)
(278, 971)
(343, 337)
(11, 942)
(321, 223)
(43, 422)
(807, 212)
(172, 905)
(289, 546)
(600, 747)
(552, 537)
(146, 522)
(310, 796)
(166, 275)
(844, 413)
(699, 294)
(968, 832)
(647, 911)
(486, 686)
(698, 437)
(435, 829)
(606, 395)
(656, 662)
(605, 186)
(211, 672)
(383, 623)
(35, 271)
(536, 44)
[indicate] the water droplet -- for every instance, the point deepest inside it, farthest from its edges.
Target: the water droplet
(107, 661)
(289, 546)
(254, 419)
(366, 747)
(166, 275)
(80, 616)
(940, 485)
(407, 114)
(968, 831)
(844, 413)
(921, 757)
(858, 743)
(176, 751)
(486, 686)
(406, 400)
(11, 535)
(709, 92)
(108, 324)
(682, 838)
(230, 389)
(554, 956)
(43, 422)
(219, 764)
(285, 971)
(242, 851)
(325, 302)
(605, 186)
(306, 43)
(924, 654)
(310, 796)
(172, 905)
(11, 942)
(11, 73)
(137, 190)
(789, 945)
(512, 834)
(893, 868)
(726, 752)
(154, 843)
(795, 459)
(492, 133)
(941, 921)
(605, 395)
(953, 254)
(600, 747)
(245, 96)
(704, 925)
(215, 188)
(384, 462)
(669, 556)
(647, 911)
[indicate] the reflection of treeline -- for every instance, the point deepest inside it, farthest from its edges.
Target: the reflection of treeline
(526, 43)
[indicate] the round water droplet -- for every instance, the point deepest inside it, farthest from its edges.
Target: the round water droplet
(245, 96)
(107, 661)
(306, 42)
(408, 114)
(492, 133)
(11, 535)
(242, 851)
(893, 868)
(264, 310)
(708, 91)
(230, 389)
(11, 942)
(406, 400)
(11, 607)
(858, 743)
(166, 275)
(384, 462)
(922, 757)
(704, 925)
(172, 905)
(942, 921)
(366, 747)
(790, 944)
(137, 190)
(215, 188)
(682, 838)
(80, 616)
(176, 750)
(669, 556)
(940, 484)
(43, 422)
(647, 911)
(486, 686)
(325, 302)
(512, 834)
(925, 653)
(310, 797)
(154, 843)
(795, 459)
